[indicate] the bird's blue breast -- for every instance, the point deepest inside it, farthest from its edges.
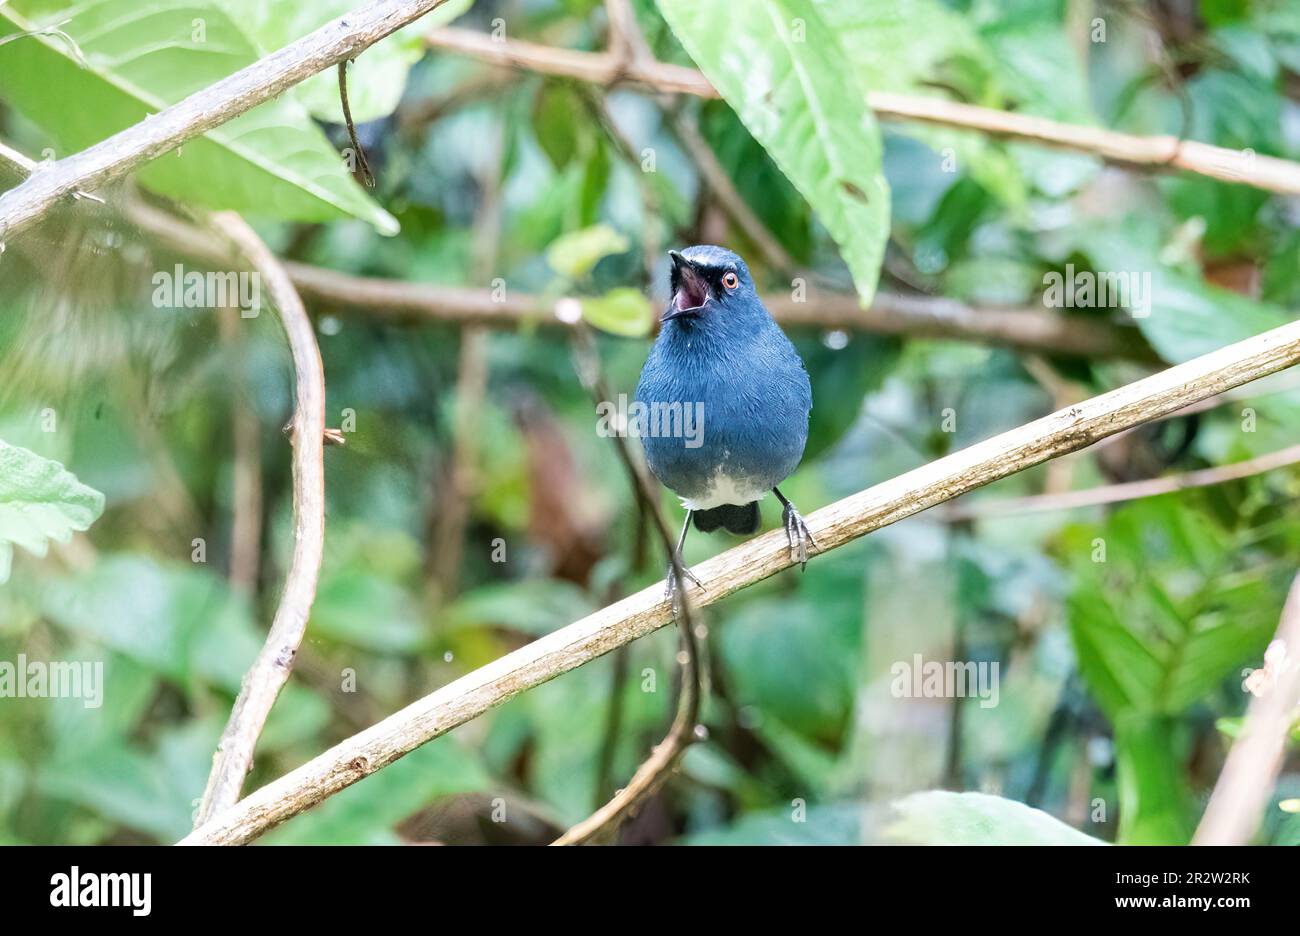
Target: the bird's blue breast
(752, 395)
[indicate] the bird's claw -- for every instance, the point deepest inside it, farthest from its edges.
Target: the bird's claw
(798, 534)
(670, 584)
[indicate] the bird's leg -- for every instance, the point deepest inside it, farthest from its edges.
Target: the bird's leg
(670, 587)
(796, 531)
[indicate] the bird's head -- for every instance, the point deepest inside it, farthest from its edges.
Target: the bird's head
(710, 284)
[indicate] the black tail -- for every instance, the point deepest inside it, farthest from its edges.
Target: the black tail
(741, 520)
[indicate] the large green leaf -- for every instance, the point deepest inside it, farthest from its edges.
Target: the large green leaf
(151, 791)
(162, 615)
(140, 57)
(1155, 802)
(1164, 620)
(937, 817)
(1172, 613)
(40, 501)
(782, 70)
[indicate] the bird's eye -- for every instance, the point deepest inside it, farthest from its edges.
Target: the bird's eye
(729, 280)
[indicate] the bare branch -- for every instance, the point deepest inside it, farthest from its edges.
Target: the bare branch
(733, 203)
(270, 671)
(1152, 152)
(890, 313)
(1241, 794)
(337, 41)
(1117, 493)
(466, 698)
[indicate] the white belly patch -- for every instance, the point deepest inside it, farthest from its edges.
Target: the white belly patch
(724, 489)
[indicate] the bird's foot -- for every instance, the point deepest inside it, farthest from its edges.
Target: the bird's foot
(670, 584)
(797, 532)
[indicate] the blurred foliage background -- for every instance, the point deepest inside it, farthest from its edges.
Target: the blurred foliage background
(474, 507)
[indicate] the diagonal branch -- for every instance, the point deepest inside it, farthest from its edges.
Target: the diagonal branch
(993, 508)
(1155, 152)
(337, 41)
(842, 522)
(270, 671)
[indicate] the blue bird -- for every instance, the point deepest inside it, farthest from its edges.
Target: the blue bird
(724, 401)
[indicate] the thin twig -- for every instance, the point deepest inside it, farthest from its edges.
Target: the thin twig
(1152, 152)
(466, 698)
(629, 47)
(359, 151)
(340, 39)
(613, 724)
(719, 182)
(993, 508)
(603, 824)
(653, 212)
(1242, 791)
(270, 671)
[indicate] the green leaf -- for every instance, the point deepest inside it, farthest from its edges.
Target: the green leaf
(794, 662)
(152, 791)
(1174, 611)
(1155, 802)
(366, 610)
(557, 122)
(177, 619)
(530, 606)
(40, 500)
(576, 254)
(272, 161)
(842, 377)
(1189, 317)
(1148, 642)
(782, 70)
(937, 817)
(1044, 73)
(623, 312)
(376, 79)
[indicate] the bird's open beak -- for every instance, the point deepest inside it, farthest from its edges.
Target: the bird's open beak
(690, 293)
